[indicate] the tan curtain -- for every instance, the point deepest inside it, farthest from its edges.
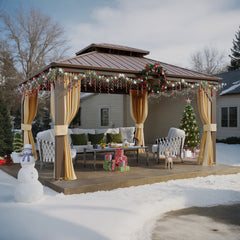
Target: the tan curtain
(139, 112)
(205, 110)
(71, 106)
(29, 112)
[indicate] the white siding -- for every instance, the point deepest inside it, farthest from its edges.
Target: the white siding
(91, 110)
(228, 101)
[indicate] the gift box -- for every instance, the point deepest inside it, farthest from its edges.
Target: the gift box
(118, 153)
(122, 169)
(106, 165)
(124, 158)
(112, 165)
(122, 163)
(108, 157)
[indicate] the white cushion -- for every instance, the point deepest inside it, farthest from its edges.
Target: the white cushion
(128, 133)
(46, 135)
(154, 148)
(107, 130)
(81, 131)
(175, 132)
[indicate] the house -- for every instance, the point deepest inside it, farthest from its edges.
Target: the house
(228, 105)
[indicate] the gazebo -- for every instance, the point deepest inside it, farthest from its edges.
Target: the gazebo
(113, 69)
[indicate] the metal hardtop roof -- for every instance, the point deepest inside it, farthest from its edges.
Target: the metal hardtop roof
(122, 61)
(111, 48)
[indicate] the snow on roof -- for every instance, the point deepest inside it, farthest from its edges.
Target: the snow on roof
(228, 90)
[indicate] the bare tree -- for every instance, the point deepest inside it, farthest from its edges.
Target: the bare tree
(35, 39)
(209, 60)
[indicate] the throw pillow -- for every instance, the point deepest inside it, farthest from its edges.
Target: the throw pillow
(79, 139)
(96, 138)
(114, 137)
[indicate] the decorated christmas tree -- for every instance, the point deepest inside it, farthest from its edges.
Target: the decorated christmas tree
(17, 142)
(189, 125)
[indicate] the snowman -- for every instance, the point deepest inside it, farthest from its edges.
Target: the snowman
(28, 188)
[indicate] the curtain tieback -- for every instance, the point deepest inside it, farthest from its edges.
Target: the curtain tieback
(210, 127)
(60, 130)
(26, 127)
(139, 125)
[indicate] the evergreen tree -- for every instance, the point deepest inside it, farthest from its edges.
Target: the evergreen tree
(17, 142)
(5, 130)
(189, 125)
(235, 56)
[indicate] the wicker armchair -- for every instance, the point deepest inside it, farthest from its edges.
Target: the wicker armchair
(46, 147)
(173, 143)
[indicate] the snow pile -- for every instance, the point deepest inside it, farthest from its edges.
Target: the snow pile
(228, 154)
(127, 213)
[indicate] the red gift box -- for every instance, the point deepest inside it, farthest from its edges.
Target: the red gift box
(118, 153)
(108, 157)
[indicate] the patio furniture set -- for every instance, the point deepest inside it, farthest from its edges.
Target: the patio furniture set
(123, 137)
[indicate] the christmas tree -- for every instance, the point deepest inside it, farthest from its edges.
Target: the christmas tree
(17, 142)
(235, 56)
(189, 125)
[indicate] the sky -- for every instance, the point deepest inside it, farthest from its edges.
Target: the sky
(171, 30)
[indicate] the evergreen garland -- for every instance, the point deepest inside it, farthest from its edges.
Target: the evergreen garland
(189, 125)
(17, 142)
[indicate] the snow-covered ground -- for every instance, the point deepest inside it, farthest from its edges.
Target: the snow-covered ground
(127, 213)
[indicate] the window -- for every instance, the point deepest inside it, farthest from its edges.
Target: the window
(104, 116)
(229, 117)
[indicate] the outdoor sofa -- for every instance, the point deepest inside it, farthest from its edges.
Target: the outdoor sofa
(78, 139)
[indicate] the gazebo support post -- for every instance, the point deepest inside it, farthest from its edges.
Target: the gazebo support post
(59, 120)
(22, 114)
(214, 118)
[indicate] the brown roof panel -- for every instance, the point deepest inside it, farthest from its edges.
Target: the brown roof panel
(106, 47)
(123, 63)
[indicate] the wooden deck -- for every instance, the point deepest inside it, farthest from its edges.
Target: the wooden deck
(90, 180)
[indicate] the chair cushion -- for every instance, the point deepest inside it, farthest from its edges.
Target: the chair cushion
(107, 130)
(127, 133)
(114, 137)
(79, 139)
(96, 138)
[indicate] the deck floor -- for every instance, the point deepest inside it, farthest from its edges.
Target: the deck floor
(90, 180)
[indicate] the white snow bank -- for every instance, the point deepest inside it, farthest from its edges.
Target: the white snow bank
(127, 213)
(228, 154)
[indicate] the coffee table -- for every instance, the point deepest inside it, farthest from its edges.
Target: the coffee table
(94, 151)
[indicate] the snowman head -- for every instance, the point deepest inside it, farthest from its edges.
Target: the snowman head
(27, 148)
(27, 155)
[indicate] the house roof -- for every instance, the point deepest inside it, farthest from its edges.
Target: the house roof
(121, 59)
(232, 81)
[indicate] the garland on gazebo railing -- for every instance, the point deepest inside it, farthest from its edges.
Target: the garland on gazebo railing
(119, 82)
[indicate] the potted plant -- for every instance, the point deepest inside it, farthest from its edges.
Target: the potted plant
(17, 147)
